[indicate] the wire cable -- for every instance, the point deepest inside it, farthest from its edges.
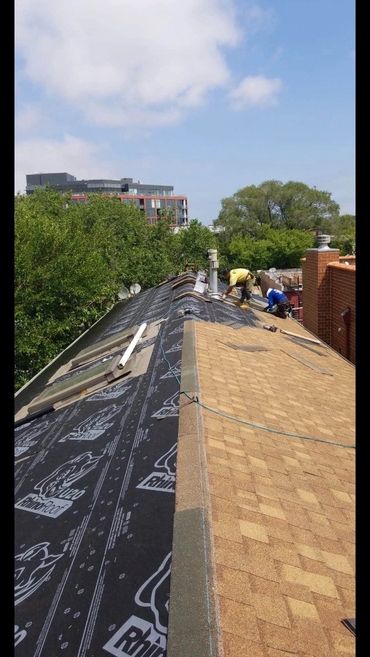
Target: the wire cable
(263, 427)
(255, 425)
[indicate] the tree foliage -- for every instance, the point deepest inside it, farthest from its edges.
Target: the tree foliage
(192, 245)
(62, 277)
(70, 260)
(278, 205)
(343, 232)
(271, 247)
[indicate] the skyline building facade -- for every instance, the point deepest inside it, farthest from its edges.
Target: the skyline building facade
(152, 199)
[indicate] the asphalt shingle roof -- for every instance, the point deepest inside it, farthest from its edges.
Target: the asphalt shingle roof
(280, 508)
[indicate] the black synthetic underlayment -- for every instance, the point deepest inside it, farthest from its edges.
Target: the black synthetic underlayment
(94, 501)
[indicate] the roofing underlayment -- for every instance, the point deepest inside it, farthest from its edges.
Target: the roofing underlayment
(258, 524)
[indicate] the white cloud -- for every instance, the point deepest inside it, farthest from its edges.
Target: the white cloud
(29, 117)
(76, 156)
(145, 61)
(258, 18)
(133, 117)
(255, 91)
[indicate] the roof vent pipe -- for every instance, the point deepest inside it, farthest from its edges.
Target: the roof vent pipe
(323, 242)
(213, 269)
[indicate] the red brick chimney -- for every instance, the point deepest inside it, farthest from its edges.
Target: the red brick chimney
(317, 289)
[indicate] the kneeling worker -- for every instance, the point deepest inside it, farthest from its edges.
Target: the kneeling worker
(278, 303)
(242, 278)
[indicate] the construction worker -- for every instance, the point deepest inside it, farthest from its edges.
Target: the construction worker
(242, 278)
(278, 303)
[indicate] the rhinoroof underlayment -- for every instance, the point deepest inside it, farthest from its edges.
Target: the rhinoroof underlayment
(281, 507)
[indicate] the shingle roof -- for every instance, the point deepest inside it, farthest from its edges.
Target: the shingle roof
(280, 508)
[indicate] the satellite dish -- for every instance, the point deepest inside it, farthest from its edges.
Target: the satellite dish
(135, 288)
(123, 293)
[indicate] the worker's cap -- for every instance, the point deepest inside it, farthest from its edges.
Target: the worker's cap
(268, 291)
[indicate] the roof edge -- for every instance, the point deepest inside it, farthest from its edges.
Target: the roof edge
(193, 626)
(189, 374)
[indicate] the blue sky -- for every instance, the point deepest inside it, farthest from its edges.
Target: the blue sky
(205, 95)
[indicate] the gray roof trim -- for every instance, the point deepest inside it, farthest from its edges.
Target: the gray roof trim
(79, 384)
(103, 346)
(193, 627)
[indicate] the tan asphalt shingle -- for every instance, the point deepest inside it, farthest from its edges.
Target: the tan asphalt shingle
(282, 508)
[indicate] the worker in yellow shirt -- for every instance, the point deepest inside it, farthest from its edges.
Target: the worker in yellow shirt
(242, 278)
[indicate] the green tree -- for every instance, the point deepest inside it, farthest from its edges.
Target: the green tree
(272, 203)
(272, 247)
(161, 251)
(343, 233)
(69, 260)
(192, 245)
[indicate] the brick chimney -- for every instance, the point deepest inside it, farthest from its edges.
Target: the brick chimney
(316, 288)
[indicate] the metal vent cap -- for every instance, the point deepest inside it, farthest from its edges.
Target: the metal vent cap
(323, 241)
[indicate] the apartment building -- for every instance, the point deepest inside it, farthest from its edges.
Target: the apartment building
(152, 199)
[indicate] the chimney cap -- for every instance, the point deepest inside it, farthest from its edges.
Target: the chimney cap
(323, 242)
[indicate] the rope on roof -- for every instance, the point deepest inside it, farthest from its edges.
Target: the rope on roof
(255, 425)
(270, 429)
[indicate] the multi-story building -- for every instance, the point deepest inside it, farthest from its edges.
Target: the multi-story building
(153, 200)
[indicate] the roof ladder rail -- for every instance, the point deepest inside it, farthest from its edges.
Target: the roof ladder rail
(127, 353)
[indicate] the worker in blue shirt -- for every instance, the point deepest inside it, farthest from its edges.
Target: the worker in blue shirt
(278, 303)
